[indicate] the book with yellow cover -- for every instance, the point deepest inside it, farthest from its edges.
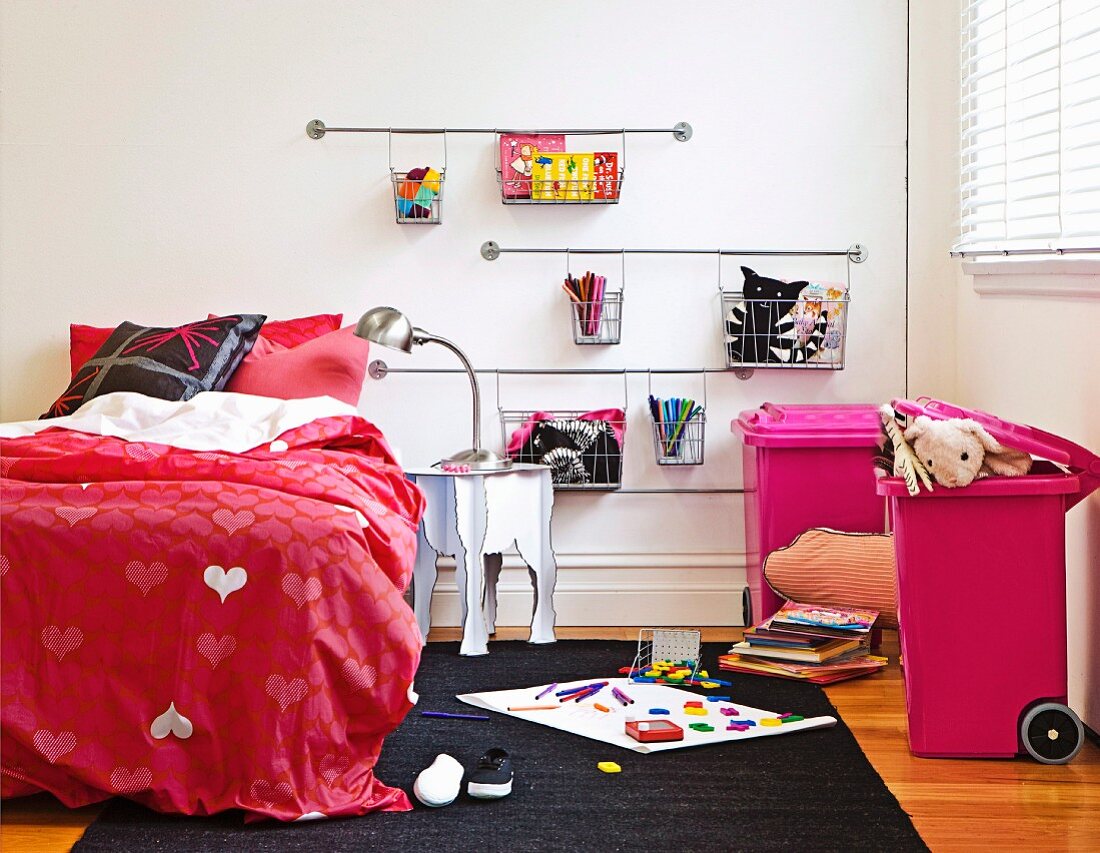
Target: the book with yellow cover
(562, 177)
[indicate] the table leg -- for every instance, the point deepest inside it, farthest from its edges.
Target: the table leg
(493, 564)
(424, 577)
(470, 524)
(543, 568)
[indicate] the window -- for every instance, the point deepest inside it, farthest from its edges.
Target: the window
(1030, 172)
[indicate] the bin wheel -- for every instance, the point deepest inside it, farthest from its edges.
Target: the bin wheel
(746, 607)
(1052, 733)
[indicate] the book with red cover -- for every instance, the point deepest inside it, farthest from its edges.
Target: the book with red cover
(606, 175)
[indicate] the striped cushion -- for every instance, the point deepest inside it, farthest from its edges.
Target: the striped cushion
(826, 566)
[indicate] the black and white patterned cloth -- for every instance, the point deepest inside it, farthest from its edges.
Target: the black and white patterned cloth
(579, 452)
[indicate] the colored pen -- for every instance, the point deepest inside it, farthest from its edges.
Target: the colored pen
(547, 690)
(590, 693)
(600, 707)
(570, 691)
(622, 697)
(533, 707)
(441, 715)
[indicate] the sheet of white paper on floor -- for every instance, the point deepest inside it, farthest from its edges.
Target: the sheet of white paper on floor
(585, 720)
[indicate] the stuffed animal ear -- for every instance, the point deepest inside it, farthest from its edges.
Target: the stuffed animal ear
(748, 273)
(987, 441)
(918, 428)
(1008, 463)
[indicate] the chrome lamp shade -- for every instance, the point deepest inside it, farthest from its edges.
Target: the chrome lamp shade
(389, 328)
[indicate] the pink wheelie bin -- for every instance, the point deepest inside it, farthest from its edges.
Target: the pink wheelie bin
(804, 466)
(982, 600)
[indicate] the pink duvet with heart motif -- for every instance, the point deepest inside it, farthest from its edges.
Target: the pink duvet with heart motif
(201, 631)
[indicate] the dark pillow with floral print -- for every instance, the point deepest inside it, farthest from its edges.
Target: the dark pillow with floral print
(169, 363)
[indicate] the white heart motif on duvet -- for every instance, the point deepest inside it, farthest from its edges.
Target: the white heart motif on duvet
(62, 642)
(216, 649)
(359, 676)
(224, 583)
(145, 577)
(54, 746)
(73, 514)
(126, 781)
(233, 521)
(332, 766)
(171, 722)
(300, 589)
(286, 692)
(263, 791)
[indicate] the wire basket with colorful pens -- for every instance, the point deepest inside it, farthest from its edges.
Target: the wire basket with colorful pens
(679, 430)
(596, 313)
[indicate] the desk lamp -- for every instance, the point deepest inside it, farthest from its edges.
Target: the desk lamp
(390, 328)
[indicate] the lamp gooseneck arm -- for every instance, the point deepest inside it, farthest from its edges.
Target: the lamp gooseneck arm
(422, 337)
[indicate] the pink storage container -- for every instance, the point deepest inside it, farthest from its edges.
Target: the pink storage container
(804, 466)
(982, 600)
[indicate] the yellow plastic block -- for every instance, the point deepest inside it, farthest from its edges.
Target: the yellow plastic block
(698, 712)
(703, 673)
(771, 722)
(709, 685)
(609, 767)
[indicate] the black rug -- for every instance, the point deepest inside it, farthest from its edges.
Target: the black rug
(811, 791)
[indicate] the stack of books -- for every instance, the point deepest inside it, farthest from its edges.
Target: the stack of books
(807, 642)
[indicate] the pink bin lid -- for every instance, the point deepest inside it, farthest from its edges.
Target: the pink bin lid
(1038, 443)
(809, 425)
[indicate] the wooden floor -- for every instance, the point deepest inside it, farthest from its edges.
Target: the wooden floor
(955, 805)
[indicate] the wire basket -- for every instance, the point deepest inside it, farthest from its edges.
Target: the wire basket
(598, 322)
(804, 334)
(534, 168)
(418, 194)
(583, 454)
(418, 201)
(680, 444)
(657, 645)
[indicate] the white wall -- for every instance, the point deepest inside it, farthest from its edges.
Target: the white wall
(155, 166)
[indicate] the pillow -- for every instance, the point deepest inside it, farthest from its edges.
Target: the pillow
(169, 363)
(334, 365)
(85, 340)
(825, 566)
(291, 333)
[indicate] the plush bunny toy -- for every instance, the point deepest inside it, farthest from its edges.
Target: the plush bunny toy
(957, 451)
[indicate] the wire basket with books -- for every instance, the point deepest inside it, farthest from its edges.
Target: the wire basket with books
(535, 168)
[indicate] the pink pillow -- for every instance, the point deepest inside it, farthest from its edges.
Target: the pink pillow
(84, 341)
(333, 364)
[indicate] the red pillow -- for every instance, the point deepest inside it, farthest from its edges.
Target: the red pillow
(290, 333)
(333, 364)
(84, 341)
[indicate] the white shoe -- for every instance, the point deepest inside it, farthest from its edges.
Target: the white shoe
(439, 783)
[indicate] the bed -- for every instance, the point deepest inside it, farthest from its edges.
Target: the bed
(203, 605)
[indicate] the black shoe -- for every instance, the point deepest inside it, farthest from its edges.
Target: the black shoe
(492, 779)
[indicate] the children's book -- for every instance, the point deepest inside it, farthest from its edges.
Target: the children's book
(830, 299)
(605, 166)
(828, 651)
(818, 620)
(562, 177)
(518, 152)
(825, 674)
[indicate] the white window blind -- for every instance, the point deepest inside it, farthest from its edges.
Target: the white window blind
(1030, 176)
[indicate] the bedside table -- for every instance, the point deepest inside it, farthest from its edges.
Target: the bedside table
(474, 518)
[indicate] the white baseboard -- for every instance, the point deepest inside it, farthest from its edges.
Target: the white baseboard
(697, 589)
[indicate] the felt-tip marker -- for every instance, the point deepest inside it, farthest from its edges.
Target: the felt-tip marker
(547, 690)
(442, 715)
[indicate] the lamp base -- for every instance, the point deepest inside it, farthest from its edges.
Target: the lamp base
(479, 460)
